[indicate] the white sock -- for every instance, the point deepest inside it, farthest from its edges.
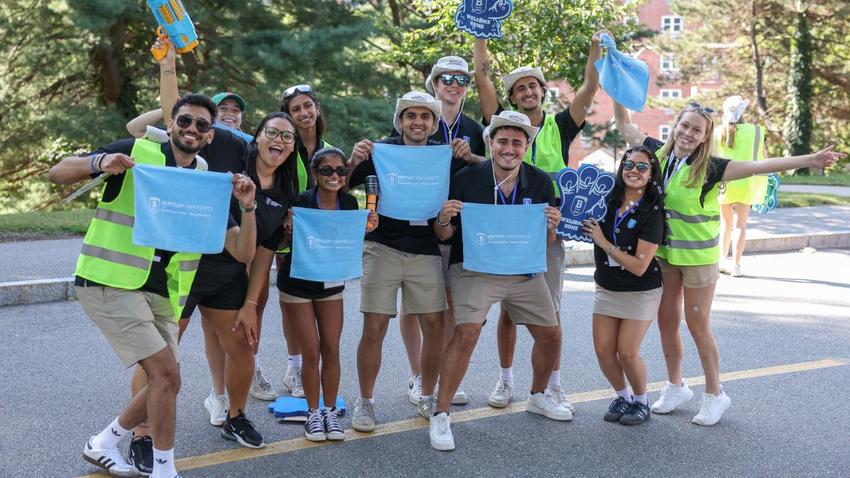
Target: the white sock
(555, 378)
(110, 436)
(294, 361)
(257, 362)
(425, 397)
(163, 464)
(507, 374)
(625, 394)
(641, 399)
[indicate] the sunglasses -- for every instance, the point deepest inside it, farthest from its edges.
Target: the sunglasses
(202, 125)
(448, 79)
(628, 165)
(293, 90)
(705, 109)
(329, 171)
(287, 137)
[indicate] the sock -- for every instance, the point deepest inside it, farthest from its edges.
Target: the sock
(295, 361)
(641, 399)
(425, 397)
(419, 381)
(555, 378)
(507, 374)
(257, 362)
(625, 394)
(110, 436)
(163, 464)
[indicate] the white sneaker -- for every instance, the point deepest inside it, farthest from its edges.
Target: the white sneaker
(671, 397)
(501, 396)
(546, 405)
(736, 271)
(363, 419)
(292, 382)
(712, 408)
(217, 406)
(109, 460)
(725, 266)
(261, 388)
(414, 389)
(557, 392)
(441, 432)
(460, 398)
(426, 407)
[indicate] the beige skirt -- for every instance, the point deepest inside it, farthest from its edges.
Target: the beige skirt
(634, 305)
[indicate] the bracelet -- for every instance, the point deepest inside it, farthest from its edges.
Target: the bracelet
(610, 249)
(99, 161)
(248, 209)
(443, 224)
(91, 163)
(251, 302)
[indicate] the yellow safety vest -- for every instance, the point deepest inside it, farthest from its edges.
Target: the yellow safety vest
(545, 151)
(303, 177)
(749, 146)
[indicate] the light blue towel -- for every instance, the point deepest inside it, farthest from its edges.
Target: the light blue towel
(504, 239)
(624, 78)
(327, 246)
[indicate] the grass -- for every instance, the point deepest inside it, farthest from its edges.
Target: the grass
(788, 199)
(831, 180)
(43, 225)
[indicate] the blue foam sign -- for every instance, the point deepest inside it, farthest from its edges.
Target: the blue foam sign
(583, 195)
(771, 198)
(293, 407)
(483, 18)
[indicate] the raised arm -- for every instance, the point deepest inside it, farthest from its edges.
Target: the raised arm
(241, 241)
(625, 126)
(168, 91)
(138, 126)
(584, 96)
(744, 169)
(486, 90)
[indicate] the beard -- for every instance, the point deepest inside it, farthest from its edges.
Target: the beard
(179, 144)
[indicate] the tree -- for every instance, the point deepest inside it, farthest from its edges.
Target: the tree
(798, 120)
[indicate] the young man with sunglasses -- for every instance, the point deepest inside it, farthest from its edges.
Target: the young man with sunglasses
(449, 82)
(549, 150)
(125, 288)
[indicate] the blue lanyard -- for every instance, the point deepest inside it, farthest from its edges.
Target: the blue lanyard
(448, 134)
(316, 197)
(504, 198)
(618, 219)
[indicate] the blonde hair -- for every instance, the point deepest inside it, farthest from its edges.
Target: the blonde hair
(727, 135)
(702, 154)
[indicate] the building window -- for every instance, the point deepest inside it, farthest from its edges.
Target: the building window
(667, 63)
(671, 94)
(671, 24)
(664, 132)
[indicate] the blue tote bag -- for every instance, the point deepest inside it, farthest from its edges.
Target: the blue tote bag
(327, 246)
(180, 210)
(414, 180)
(504, 239)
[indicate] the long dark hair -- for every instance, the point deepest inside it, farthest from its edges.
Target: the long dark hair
(285, 184)
(320, 121)
(653, 194)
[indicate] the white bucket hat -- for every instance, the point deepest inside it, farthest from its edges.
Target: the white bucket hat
(417, 98)
(511, 118)
(733, 108)
(444, 64)
(521, 72)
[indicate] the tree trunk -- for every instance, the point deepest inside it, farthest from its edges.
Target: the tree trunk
(798, 119)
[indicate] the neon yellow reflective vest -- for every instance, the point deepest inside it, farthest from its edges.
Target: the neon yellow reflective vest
(303, 177)
(546, 151)
(749, 146)
(694, 229)
(109, 256)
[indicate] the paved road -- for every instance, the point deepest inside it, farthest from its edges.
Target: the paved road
(62, 383)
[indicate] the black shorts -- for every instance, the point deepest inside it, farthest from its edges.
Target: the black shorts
(229, 297)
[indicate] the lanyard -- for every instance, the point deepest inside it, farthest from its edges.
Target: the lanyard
(618, 219)
(671, 169)
(318, 205)
(504, 198)
(451, 132)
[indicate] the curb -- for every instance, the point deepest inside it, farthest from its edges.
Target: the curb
(50, 290)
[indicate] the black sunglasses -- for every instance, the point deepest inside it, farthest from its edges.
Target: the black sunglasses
(628, 165)
(706, 109)
(293, 90)
(286, 136)
(202, 125)
(329, 171)
(448, 79)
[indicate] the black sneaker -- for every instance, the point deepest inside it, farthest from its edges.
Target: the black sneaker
(314, 427)
(240, 429)
(333, 429)
(617, 409)
(141, 454)
(636, 414)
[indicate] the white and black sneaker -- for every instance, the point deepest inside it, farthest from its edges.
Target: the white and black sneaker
(109, 460)
(241, 430)
(141, 455)
(314, 427)
(333, 429)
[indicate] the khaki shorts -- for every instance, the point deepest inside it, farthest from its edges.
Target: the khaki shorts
(136, 324)
(693, 277)
(527, 301)
(445, 253)
(554, 276)
(291, 299)
(385, 270)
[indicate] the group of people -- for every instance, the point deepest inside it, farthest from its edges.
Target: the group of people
(656, 248)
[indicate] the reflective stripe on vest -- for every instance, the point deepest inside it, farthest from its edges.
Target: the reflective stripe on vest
(548, 155)
(695, 219)
(116, 257)
(114, 216)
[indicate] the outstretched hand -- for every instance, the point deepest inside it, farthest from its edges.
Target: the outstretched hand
(826, 157)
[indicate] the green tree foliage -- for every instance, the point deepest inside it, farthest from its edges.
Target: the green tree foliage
(798, 120)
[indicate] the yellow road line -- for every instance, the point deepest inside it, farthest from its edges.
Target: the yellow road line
(297, 444)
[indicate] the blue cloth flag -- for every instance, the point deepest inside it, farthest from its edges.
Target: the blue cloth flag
(327, 246)
(624, 78)
(583, 194)
(483, 18)
(504, 239)
(414, 180)
(180, 210)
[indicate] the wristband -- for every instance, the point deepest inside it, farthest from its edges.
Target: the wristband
(250, 302)
(443, 224)
(91, 163)
(248, 209)
(99, 161)
(610, 249)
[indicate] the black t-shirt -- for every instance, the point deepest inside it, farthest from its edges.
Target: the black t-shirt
(401, 235)
(226, 153)
(566, 126)
(714, 174)
(645, 223)
(475, 185)
(157, 279)
(304, 288)
(465, 128)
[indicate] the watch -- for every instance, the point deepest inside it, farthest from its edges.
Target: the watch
(248, 209)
